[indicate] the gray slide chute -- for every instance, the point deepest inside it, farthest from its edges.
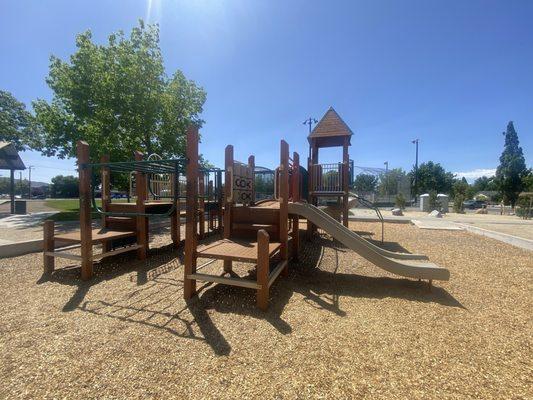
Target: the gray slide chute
(403, 264)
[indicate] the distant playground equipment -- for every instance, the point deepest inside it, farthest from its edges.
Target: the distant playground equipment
(262, 231)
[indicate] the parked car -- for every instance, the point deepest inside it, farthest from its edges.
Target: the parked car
(474, 204)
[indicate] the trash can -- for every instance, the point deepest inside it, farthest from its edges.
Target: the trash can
(20, 206)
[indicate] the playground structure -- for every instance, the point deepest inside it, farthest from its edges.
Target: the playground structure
(125, 226)
(260, 232)
(256, 233)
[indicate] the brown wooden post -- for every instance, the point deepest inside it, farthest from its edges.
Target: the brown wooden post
(345, 180)
(284, 203)
(142, 223)
(191, 240)
(251, 166)
(174, 217)
(85, 210)
(106, 198)
(201, 200)
(210, 199)
(313, 183)
(263, 270)
(220, 201)
(295, 198)
(228, 201)
(48, 245)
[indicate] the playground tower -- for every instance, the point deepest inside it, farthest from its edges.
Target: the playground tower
(330, 181)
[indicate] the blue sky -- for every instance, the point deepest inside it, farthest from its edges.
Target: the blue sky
(451, 73)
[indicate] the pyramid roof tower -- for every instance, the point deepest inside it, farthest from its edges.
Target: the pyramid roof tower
(330, 131)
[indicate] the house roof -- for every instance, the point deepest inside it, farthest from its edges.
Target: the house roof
(9, 157)
(330, 130)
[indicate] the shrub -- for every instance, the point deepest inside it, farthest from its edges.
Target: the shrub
(523, 209)
(400, 201)
(458, 204)
(433, 203)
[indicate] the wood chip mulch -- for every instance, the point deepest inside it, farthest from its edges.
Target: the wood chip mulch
(337, 327)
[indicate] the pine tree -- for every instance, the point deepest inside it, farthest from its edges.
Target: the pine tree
(512, 167)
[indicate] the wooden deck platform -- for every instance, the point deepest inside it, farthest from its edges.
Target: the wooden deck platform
(232, 250)
(98, 236)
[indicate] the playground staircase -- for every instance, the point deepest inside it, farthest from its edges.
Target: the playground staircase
(247, 221)
(120, 223)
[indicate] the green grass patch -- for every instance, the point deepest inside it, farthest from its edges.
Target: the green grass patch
(68, 205)
(70, 209)
(70, 216)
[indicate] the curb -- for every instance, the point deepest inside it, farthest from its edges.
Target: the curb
(516, 241)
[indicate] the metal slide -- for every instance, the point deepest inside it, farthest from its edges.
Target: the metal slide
(403, 264)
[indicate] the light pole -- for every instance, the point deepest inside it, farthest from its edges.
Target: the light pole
(387, 179)
(29, 181)
(416, 169)
(310, 121)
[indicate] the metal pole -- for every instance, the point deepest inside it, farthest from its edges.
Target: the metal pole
(12, 189)
(416, 169)
(29, 181)
(387, 180)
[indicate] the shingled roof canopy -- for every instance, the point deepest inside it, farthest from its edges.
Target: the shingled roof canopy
(9, 157)
(330, 131)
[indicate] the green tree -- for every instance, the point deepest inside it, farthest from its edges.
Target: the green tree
(527, 181)
(365, 183)
(463, 188)
(15, 121)
(118, 98)
(433, 177)
(389, 182)
(485, 183)
(512, 168)
(65, 186)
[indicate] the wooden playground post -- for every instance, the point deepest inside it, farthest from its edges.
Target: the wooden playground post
(283, 203)
(48, 246)
(220, 199)
(175, 217)
(191, 240)
(85, 210)
(210, 199)
(295, 198)
(263, 270)
(201, 200)
(142, 226)
(251, 166)
(345, 180)
(106, 197)
(228, 198)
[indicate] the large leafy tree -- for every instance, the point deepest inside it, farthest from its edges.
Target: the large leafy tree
(365, 183)
(512, 168)
(65, 186)
(391, 182)
(118, 98)
(15, 121)
(433, 177)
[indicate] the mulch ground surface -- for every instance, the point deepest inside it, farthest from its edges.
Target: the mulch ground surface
(337, 326)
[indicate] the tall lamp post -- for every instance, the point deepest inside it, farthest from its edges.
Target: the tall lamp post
(415, 142)
(310, 121)
(387, 179)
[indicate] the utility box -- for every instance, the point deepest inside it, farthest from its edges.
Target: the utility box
(424, 202)
(443, 201)
(20, 207)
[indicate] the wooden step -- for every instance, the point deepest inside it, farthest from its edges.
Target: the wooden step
(121, 223)
(241, 226)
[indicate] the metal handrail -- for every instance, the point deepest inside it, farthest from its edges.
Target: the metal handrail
(372, 206)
